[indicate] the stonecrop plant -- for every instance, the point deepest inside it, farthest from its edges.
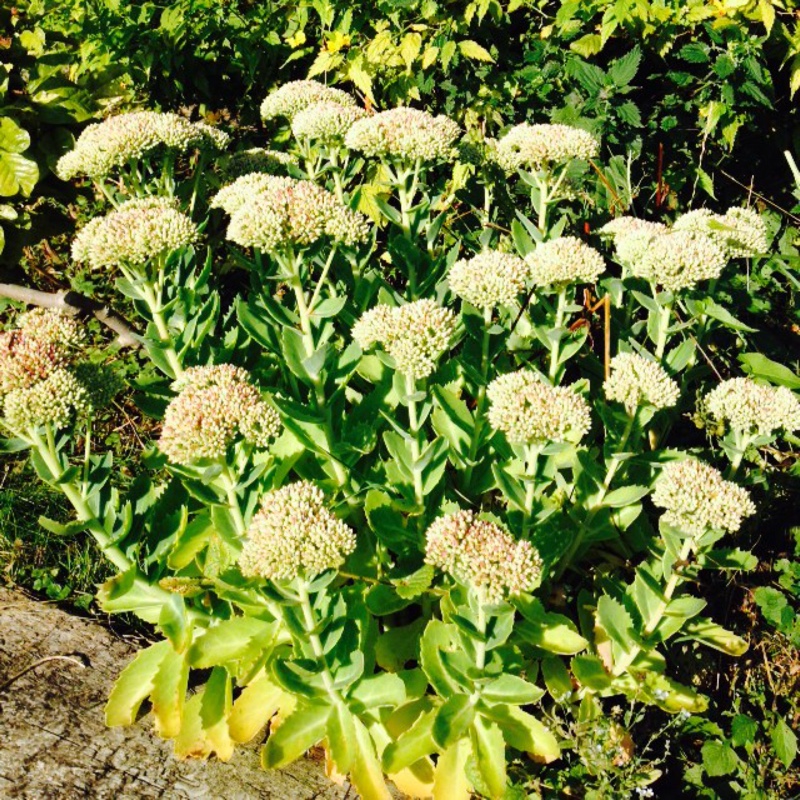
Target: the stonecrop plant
(427, 480)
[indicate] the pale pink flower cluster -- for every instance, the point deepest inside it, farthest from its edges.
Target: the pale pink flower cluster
(294, 535)
(636, 381)
(750, 407)
(489, 279)
(295, 96)
(539, 146)
(482, 555)
(564, 260)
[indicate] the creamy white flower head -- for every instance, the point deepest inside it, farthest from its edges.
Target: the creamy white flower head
(406, 134)
(637, 381)
(293, 97)
(255, 160)
(269, 212)
(625, 226)
(326, 121)
(45, 341)
(750, 407)
(105, 146)
(674, 259)
(696, 498)
(415, 335)
(54, 401)
(565, 260)
(741, 232)
(213, 138)
(529, 411)
(138, 231)
(537, 146)
(294, 535)
(215, 407)
(489, 279)
(482, 555)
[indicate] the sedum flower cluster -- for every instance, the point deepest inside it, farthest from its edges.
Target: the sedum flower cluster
(268, 212)
(216, 406)
(635, 381)
(406, 134)
(489, 279)
(326, 121)
(564, 260)
(740, 231)
(294, 535)
(531, 412)
(750, 407)
(539, 146)
(254, 160)
(295, 96)
(415, 335)
(138, 231)
(625, 226)
(40, 383)
(482, 555)
(696, 498)
(104, 146)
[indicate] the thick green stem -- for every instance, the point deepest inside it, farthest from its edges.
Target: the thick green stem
(611, 471)
(532, 453)
(665, 313)
(229, 485)
(477, 430)
(152, 299)
(416, 449)
(480, 645)
(555, 347)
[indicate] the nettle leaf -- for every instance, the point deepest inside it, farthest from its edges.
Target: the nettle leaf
(719, 759)
(784, 742)
(475, 51)
(624, 69)
(303, 728)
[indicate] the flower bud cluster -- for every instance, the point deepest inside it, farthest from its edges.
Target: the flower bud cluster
(740, 231)
(45, 341)
(482, 555)
(750, 407)
(104, 146)
(406, 134)
(489, 279)
(529, 411)
(294, 535)
(216, 405)
(326, 121)
(625, 226)
(55, 401)
(636, 381)
(138, 231)
(415, 335)
(254, 160)
(269, 212)
(295, 96)
(536, 147)
(565, 260)
(697, 498)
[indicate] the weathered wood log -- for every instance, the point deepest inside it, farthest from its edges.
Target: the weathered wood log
(53, 740)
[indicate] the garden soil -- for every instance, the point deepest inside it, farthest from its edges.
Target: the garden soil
(54, 743)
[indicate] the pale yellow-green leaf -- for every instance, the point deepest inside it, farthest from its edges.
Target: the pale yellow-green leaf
(588, 45)
(360, 77)
(794, 79)
(169, 694)
(429, 56)
(450, 778)
(409, 48)
(367, 775)
(448, 51)
(254, 707)
(325, 62)
(767, 14)
(475, 51)
(134, 685)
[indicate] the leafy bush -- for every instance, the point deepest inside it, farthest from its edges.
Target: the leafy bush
(434, 479)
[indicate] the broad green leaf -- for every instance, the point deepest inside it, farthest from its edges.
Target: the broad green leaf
(473, 50)
(416, 743)
(709, 633)
(784, 742)
(450, 779)
(232, 640)
(625, 496)
(438, 636)
(743, 730)
(734, 558)
(556, 678)
(759, 366)
(489, 748)
(135, 684)
(367, 775)
(17, 174)
(552, 632)
(304, 728)
(616, 621)
(174, 622)
(341, 738)
(415, 584)
(589, 671)
(452, 720)
(13, 138)
(719, 759)
(623, 70)
(524, 732)
(511, 689)
(376, 691)
(254, 708)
